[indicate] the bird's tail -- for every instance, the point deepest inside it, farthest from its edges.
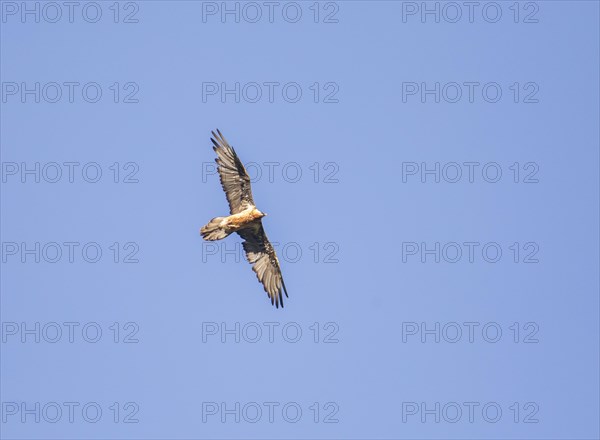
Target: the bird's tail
(213, 231)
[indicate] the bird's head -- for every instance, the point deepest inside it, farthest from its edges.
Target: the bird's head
(259, 214)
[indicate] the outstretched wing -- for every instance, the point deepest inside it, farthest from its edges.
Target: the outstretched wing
(234, 178)
(261, 255)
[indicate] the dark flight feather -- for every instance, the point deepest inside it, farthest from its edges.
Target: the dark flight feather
(234, 178)
(261, 254)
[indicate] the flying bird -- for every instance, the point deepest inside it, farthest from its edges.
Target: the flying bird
(245, 219)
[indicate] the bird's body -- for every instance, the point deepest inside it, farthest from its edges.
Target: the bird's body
(245, 219)
(232, 223)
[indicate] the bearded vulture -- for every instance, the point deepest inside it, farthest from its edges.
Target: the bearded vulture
(245, 219)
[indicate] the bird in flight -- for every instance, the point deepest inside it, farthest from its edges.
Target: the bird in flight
(245, 219)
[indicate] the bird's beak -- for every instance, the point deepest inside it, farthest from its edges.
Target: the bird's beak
(265, 214)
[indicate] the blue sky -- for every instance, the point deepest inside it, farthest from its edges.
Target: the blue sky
(431, 182)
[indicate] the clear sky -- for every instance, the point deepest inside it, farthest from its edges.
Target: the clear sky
(430, 174)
